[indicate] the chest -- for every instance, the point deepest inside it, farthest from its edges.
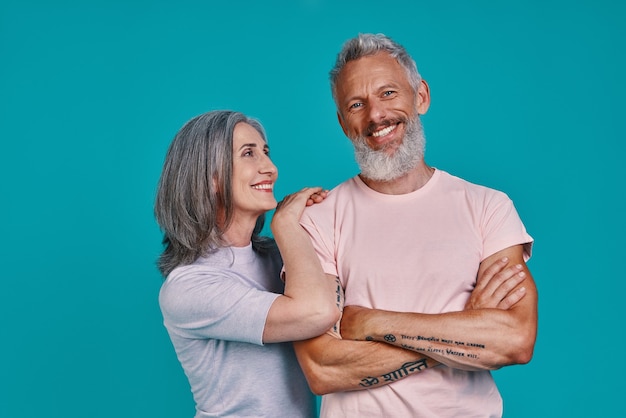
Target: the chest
(418, 257)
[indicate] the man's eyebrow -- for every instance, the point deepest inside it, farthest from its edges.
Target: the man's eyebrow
(383, 87)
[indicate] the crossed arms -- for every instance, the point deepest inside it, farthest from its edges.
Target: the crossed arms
(497, 328)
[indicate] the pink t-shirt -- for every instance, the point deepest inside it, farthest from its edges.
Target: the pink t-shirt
(416, 252)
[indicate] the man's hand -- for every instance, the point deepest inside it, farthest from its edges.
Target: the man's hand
(497, 287)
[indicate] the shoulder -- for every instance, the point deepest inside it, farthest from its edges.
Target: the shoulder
(471, 190)
(336, 196)
(186, 284)
(193, 275)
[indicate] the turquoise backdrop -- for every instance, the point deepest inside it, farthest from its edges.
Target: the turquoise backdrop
(527, 97)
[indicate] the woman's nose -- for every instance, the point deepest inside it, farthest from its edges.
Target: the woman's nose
(268, 166)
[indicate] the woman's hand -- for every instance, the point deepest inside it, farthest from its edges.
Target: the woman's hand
(317, 197)
(292, 206)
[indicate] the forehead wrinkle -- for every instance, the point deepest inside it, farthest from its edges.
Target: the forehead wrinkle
(372, 81)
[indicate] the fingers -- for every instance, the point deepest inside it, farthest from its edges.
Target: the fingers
(497, 287)
(506, 280)
(512, 298)
(491, 271)
(317, 197)
(304, 194)
(296, 202)
(312, 194)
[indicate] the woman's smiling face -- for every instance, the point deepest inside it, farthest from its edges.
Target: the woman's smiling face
(254, 174)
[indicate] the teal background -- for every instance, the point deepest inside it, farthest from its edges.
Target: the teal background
(527, 97)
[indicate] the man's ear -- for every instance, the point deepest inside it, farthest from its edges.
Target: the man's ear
(422, 98)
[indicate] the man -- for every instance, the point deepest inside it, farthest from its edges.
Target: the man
(418, 253)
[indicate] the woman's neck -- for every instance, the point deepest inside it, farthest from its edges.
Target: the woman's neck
(239, 233)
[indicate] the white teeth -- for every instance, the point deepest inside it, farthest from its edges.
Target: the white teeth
(384, 132)
(264, 186)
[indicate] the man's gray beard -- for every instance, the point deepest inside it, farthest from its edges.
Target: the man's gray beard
(379, 166)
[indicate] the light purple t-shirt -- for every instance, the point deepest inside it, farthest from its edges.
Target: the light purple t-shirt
(416, 252)
(215, 311)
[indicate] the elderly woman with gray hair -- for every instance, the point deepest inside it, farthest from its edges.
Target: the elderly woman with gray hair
(228, 312)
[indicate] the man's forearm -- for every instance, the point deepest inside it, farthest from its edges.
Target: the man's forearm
(335, 365)
(497, 328)
(483, 339)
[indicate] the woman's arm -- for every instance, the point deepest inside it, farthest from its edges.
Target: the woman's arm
(307, 308)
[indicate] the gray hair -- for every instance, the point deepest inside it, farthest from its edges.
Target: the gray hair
(196, 186)
(366, 44)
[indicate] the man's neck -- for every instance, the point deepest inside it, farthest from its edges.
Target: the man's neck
(410, 182)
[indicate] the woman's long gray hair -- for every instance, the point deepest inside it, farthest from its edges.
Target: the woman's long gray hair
(195, 189)
(366, 44)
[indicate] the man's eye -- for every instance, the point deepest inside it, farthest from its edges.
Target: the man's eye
(356, 105)
(388, 93)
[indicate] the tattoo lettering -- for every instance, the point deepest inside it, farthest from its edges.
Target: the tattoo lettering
(339, 293)
(369, 382)
(406, 369)
(339, 302)
(461, 348)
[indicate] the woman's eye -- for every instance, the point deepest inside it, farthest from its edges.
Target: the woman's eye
(247, 153)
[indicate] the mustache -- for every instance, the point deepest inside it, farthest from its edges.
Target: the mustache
(373, 127)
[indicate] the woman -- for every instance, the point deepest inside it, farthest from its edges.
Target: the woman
(227, 311)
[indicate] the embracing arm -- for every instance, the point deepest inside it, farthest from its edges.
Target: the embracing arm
(473, 339)
(307, 307)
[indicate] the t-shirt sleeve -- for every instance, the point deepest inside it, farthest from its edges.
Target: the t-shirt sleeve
(321, 237)
(200, 302)
(502, 226)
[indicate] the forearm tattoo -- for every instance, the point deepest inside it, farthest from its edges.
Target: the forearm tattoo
(406, 369)
(424, 344)
(339, 301)
(444, 347)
